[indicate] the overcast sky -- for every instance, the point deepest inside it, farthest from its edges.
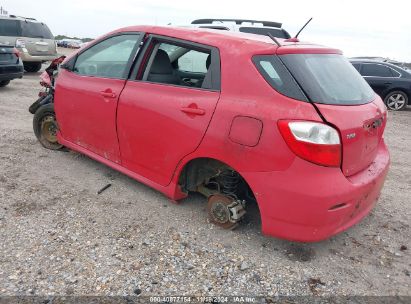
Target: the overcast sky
(358, 27)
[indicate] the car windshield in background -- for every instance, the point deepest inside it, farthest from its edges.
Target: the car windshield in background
(328, 79)
(36, 30)
(264, 31)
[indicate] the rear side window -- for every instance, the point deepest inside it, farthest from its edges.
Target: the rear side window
(264, 31)
(193, 61)
(276, 74)
(378, 70)
(36, 30)
(10, 27)
(329, 79)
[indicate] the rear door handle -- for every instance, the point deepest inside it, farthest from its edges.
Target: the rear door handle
(387, 82)
(108, 94)
(194, 111)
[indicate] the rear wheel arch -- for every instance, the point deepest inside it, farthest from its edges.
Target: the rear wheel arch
(196, 171)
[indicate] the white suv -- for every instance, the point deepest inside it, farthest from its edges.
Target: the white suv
(244, 25)
(32, 38)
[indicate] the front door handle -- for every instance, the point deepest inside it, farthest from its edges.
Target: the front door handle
(108, 93)
(193, 111)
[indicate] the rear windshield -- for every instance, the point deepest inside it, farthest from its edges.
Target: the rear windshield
(279, 33)
(36, 30)
(328, 79)
(18, 28)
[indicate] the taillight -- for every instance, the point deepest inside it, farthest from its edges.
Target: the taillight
(313, 141)
(20, 43)
(16, 52)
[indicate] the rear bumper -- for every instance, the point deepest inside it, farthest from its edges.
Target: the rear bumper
(311, 203)
(9, 72)
(26, 57)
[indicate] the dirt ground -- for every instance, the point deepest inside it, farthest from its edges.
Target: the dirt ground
(59, 237)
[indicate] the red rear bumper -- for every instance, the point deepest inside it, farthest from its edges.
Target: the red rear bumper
(310, 203)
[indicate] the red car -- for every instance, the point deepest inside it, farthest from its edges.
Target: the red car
(233, 116)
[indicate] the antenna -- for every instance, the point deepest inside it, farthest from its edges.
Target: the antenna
(296, 36)
(274, 39)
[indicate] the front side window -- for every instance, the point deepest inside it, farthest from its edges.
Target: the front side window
(110, 58)
(376, 70)
(181, 65)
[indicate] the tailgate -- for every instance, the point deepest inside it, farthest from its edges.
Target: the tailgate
(361, 128)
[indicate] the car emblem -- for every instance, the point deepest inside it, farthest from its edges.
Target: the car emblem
(351, 135)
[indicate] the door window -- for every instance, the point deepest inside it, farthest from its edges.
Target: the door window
(378, 70)
(193, 61)
(179, 65)
(110, 58)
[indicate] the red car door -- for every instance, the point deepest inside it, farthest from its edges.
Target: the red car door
(86, 97)
(163, 118)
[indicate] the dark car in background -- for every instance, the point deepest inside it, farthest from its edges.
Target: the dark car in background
(11, 66)
(389, 81)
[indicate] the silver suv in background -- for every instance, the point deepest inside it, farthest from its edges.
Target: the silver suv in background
(244, 25)
(32, 38)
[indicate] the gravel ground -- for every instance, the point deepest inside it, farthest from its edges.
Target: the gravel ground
(58, 237)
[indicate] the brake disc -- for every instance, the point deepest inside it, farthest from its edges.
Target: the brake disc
(224, 211)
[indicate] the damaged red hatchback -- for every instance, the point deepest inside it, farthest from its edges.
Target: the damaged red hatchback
(233, 116)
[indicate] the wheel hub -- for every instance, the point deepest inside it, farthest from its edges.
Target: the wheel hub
(224, 211)
(49, 129)
(396, 101)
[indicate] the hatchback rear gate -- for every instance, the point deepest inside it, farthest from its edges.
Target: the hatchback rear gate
(345, 101)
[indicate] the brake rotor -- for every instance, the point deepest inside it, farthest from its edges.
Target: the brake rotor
(218, 212)
(49, 129)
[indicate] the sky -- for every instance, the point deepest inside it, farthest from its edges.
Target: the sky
(357, 27)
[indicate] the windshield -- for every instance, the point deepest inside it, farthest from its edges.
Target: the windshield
(36, 30)
(329, 79)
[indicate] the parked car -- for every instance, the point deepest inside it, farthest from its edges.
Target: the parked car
(389, 81)
(235, 117)
(32, 38)
(75, 44)
(244, 25)
(11, 66)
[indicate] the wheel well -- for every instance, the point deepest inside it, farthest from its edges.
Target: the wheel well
(205, 172)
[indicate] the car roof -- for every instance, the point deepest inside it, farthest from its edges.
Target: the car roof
(20, 18)
(232, 41)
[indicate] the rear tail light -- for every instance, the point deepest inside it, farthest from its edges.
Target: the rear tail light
(16, 52)
(315, 142)
(20, 43)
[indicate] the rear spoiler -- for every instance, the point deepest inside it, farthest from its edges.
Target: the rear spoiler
(238, 22)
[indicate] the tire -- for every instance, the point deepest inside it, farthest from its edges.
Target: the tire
(32, 67)
(4, 83)
(45, 127)
(396, 101)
